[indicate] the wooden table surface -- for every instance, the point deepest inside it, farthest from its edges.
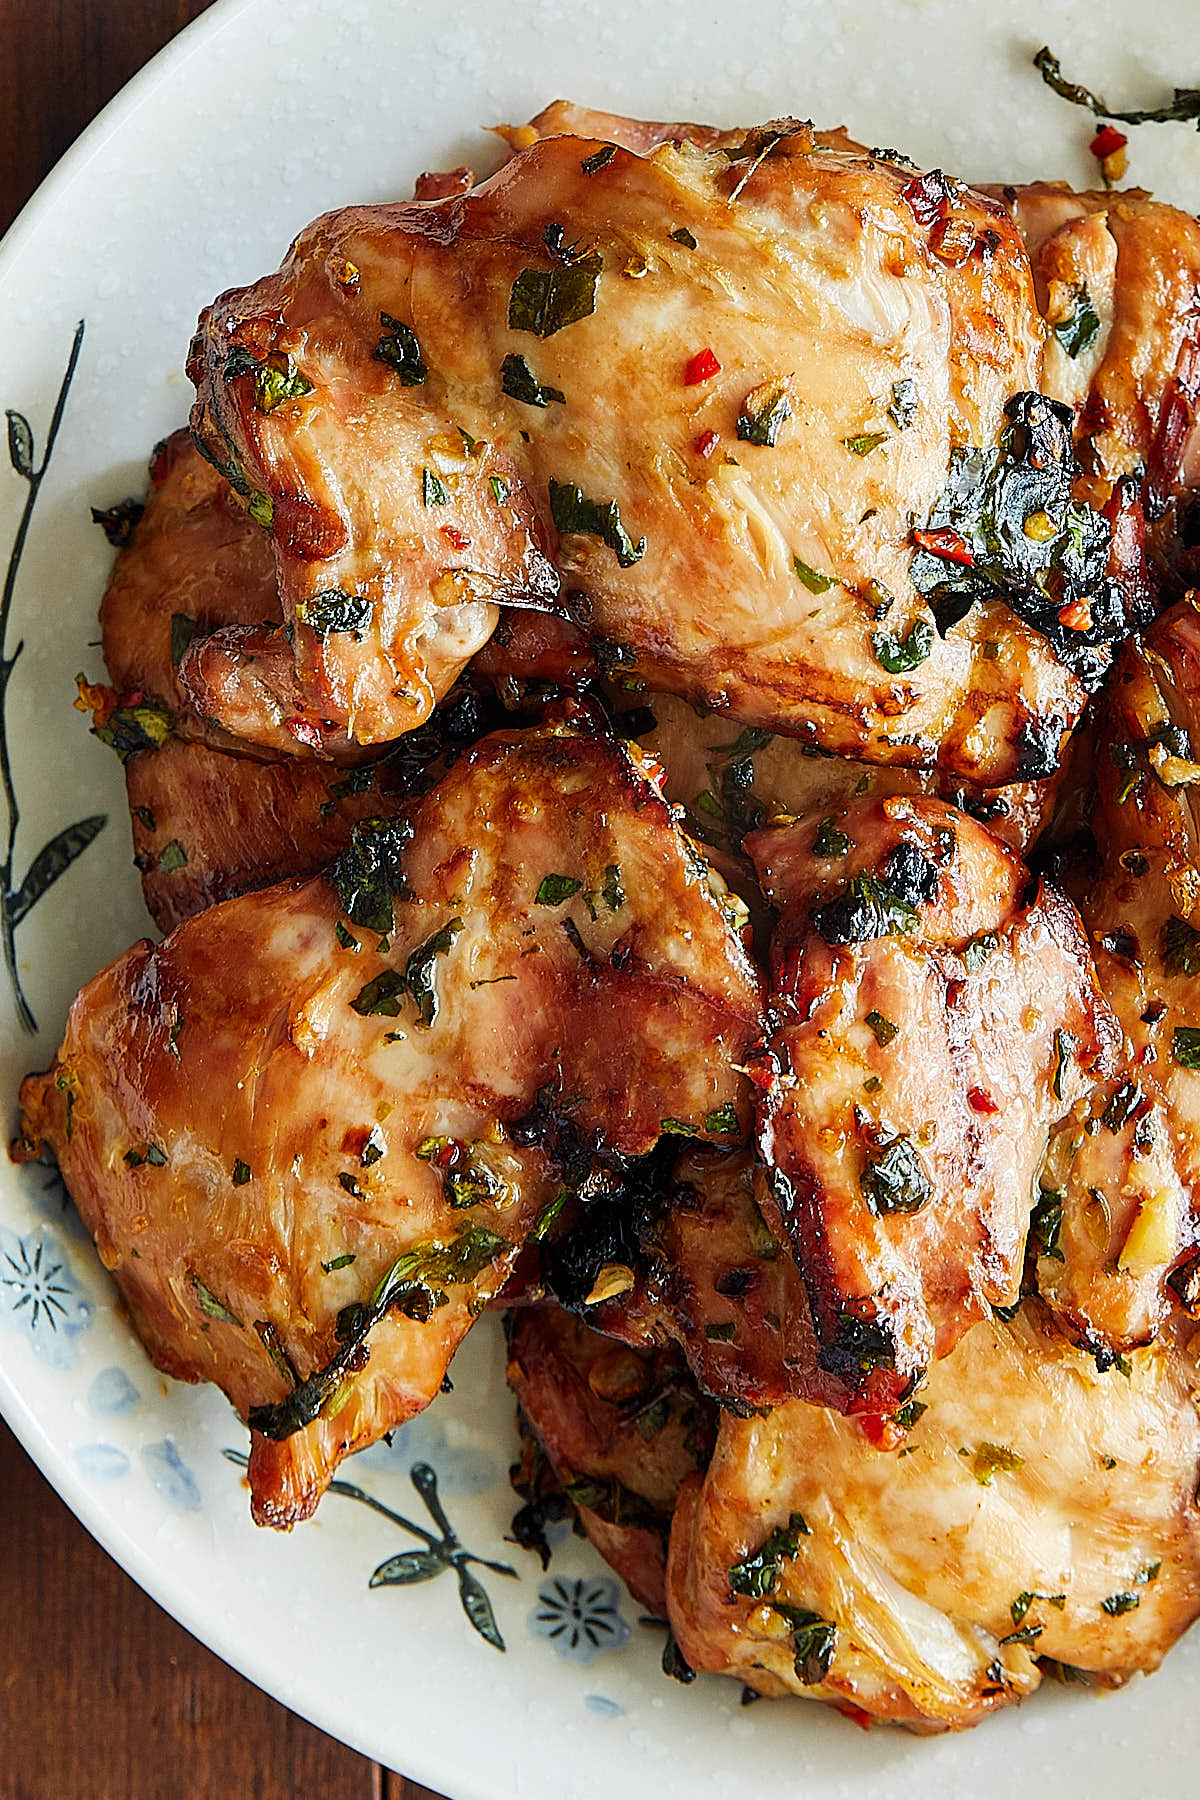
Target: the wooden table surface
(102, 1696)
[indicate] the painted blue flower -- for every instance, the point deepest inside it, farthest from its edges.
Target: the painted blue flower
(40, 1297)
(580, 1618)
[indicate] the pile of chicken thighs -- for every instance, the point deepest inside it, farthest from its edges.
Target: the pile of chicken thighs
(658, 704)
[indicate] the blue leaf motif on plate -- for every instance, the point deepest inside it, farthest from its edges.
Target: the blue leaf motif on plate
(101, 1462)
(112, 1395)
(580, 1618)
(170, 1476)
(40, 1297)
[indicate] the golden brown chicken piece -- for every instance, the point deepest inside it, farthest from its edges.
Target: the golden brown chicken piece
(194, 562)
(1120, 1210)
(739, 529)
(311, 1130)
(934, 1013)
(622, 1428)
(1037, 1514)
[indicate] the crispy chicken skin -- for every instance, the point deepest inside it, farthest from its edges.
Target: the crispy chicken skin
(1036, 1509)
(1123, 1176)
(623, 1429)
(259, 1128)
(934, 1012)
(812, 269)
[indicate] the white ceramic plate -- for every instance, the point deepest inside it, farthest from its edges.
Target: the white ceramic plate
(263, 114)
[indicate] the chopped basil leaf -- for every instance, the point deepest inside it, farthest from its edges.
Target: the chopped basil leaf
(499, 489)
(333, 609)
(543, 301)
(814, 1642)
(172, 856)
(261, 508)
(765, 411)
(894, 1180)
(1080, 329)
(1122, 1103)
(132, 728)
(433, 492)
(599, 159)
(418, 970)
(368, 872)
(829, 841)
(146, 817)
(209, 1304)
(556, 890)
(611, 892)
(682, 235)
(1185, 1046)
(865, 909)
(978, 949)
(1121, 1603)
(676, 1127)
(720, 1334)
(548, 1215)
(723, 1122)
(381, 996)
(519, 382)
(896, 654)
(884, 1029)
(345, 938)
(350, 1183)
(118, 522)
(990, 1458)
(865, 442)
(1064, 1043)
(815, 582)
(1180, 947)
(571, 512)
(1026, 1598)
(273, 386)
(1025, 1634)
(339, 1262)
(1045, 1224)
(241, 1173)
(757, 1575)
(156, 1156)
(399, 349)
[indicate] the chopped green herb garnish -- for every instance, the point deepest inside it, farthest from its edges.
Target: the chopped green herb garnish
(1064, 1043)
(209, 1304)
(548, 1215)
(132, 728)
(351, 1185)
(1025, 1634)
(339, 1262)
(399, 349)
(894, 1179)
(599, 159)
(1045, 1224)
(571, 512)
(611, 891)
(1026, 1598)
(757, 1575)
(992, 1458)
(676, 1127)
(333, 609)
(903, 409)
(500, 489)
(865, 442)
(519, 382)
(723, 1122)
(829, 841)
(345, 938)
(1180, 947)
(865, 909)
(899, 654)
(241, 1173)
(368, 872)
(765, 412)
(977, 951)
(682, 235)
(273, 386)
(418, 970)
(1121, 1603)
(172, 856)
(884, 1029)
(813, 580)
(556, 890)
(720, 1334)
(433, 491)
(814, 1641)
(1080, 329)
(381, 996)
(543, 301)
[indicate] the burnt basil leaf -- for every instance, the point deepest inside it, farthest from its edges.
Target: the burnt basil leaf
(1045, 1224)
(543, 301)
(903, 409)
(1180, 947)
(894, 1179)
(368, 872)
(599, 159)
(988, 497)
(519, 382)
(399, 349)
(131, 728)
(333, 609)
(118, 522)
(897, 655)
(571, 512)
(765, 411)
(864, 909)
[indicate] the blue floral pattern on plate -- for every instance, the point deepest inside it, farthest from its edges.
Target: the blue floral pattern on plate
(580, 1618)
(40, 1297)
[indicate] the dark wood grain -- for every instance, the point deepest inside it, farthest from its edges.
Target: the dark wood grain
(102, 1696)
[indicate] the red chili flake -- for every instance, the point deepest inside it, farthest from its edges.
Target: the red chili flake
(881, 1431)
(1076, 616)
(947, 544)
(980, 1102)
(451, 1152)
(1107, 141)
(458, 540)
(702, 367)
(706, 443)
(857, 1715)
(928, 196)
(305, 732)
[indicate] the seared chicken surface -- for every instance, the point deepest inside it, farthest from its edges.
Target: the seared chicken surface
(333, 1094)
(1036, 1509)
(801, 336)
(934, 1012)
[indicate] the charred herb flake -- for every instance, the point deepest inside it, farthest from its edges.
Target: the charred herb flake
(333, 609)
(520, 383)
(894, 1179)
(543, 301)
(757, 1575)
(571, 512)
(399, 349)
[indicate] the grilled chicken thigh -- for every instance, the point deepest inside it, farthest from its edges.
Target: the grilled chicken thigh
(801, 336)
(934, 1013)
(1036, 1509)
(307, 1130)
(622, 1429)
